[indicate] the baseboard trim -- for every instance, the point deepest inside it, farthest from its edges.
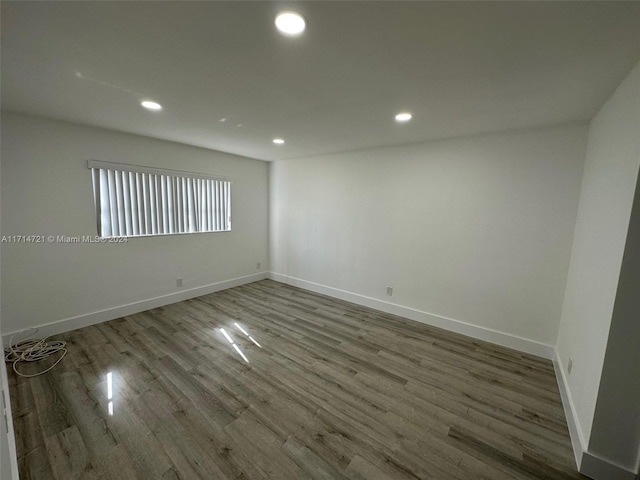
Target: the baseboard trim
(10, 432)
(575, 432)
(588, 464)
(595, 467)
(68, 324)
(457, 326)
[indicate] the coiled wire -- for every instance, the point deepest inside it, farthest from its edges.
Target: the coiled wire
(33, 350)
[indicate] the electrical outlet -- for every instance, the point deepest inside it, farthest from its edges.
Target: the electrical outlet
(570, 365)
(178, 282)
(258, 266)
(389, 291)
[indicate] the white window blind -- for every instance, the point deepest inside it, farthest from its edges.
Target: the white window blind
(134, 201)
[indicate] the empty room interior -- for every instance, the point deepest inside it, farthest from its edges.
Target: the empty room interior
(320, 240)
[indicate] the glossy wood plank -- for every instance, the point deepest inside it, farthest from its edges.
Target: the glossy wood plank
(323, 389)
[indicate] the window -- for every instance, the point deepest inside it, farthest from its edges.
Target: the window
(133, 201)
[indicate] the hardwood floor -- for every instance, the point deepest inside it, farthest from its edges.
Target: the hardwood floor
(330, 390)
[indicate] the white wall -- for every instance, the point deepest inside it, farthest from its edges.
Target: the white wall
(8, 460)
(46, 190)
(611, 169)
(615, 432)
(475, 229)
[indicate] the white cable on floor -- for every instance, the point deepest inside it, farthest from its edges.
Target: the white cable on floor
(33, 350)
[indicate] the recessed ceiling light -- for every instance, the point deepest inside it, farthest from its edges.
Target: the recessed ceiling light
(403, 117)
(278, 141)
(151, 105)
(290, 23)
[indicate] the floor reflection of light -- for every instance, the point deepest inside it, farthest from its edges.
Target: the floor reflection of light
(110, 393)
(240, 352)
(247, 334)
(237, 348)
(241, 329)
(224, 332)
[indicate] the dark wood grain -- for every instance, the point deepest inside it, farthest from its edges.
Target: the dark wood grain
(332, 391)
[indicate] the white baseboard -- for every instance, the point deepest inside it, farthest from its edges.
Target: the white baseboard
(594, 467)
(100, 316)
(578, 441)
(11, 470)
(457, 326)
(588, 464)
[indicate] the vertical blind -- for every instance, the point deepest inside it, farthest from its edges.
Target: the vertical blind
(133, 201)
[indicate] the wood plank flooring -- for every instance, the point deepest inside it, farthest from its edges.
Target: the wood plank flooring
(328, 390)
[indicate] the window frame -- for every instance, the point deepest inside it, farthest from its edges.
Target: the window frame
(180, 202)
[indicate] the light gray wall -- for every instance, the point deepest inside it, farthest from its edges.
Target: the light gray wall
(46, 190)
(8, 461)
(615, 433)
(475, 229)
(608, 186)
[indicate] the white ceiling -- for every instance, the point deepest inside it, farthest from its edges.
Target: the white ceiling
(461, 67)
